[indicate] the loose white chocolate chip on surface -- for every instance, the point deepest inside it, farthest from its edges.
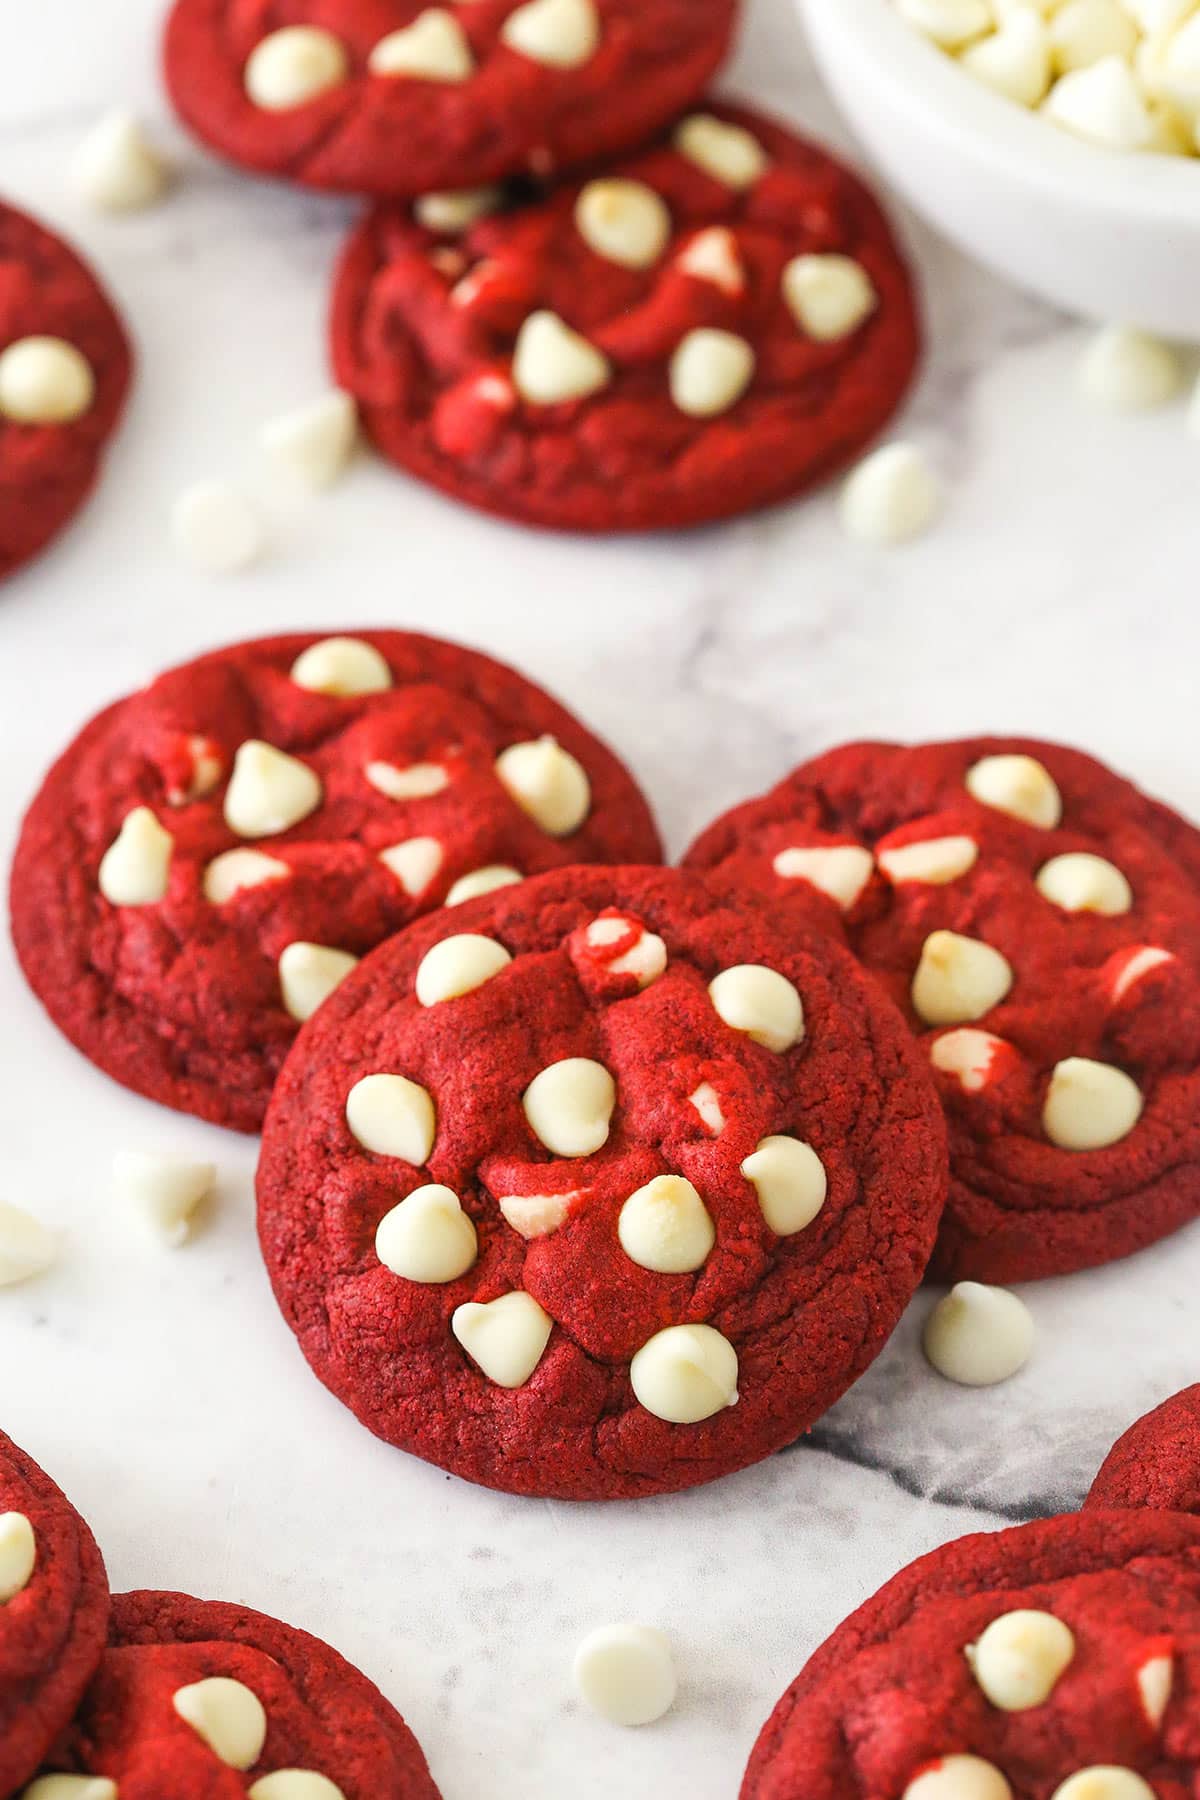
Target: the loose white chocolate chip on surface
(979, 1336)
(728, 153)
(959, 1778)
(707, 1103)
(343, 667)
(561, 34)
(570, 1105)
(45, 381)
(892, 496)
(935, 860)
(710, 370)
(1019, 1659)
(308, 974)
(293, 66)
(1102, 104)
(136, 868)
(269, 791)
(27, 1247)
(393, 1117)
(685, 1374)
(1128, 371)
(433, 48)
(414, 863)
(1104, 1782)
(506, 1337)
(950, 23)
(1084, 883)
(428, 1237)
(294, 1784)
(761, 1003)
(958, 979)
(840, 870)
(70, 1787)
(482, 881)
(118, 169)
(216, 528)
(228, 1716)
(166, 1190)
(1155, 1679)
(548, 783)
(968, 1055)
(789, 1178)
(828, 296)
(18, 1555)
(713, 256)
(626, 1673)
(1090, 1105)
(1135, 965)
(458, 209)
(459, 965)
(666, 1227)
(624, 221)
(419, 781)
(553, 364)
(1018, 786)
(227, 874)
(314, 443)
(536, 1215)
(1015, 61)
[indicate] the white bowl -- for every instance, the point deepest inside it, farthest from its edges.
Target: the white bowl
(1108, 235)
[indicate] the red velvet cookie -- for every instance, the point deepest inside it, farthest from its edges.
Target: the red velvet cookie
(212, 854)
(196, 1698)
(53, 1613)
(1038, 919)
(65, 366)
(390, 97)
(602, 1187)
(1157, 1462)
(934, 1691)
(708, 327)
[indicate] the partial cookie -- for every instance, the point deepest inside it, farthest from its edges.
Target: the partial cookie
(389, 98)
(707, 327)
(1157, 1462)
(53, 1613)
(212, 855)
(1060, 1659)
(602, 1186)
(65, 367)
(1038, 920)
(197, 1698)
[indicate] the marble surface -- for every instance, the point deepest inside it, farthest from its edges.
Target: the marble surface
(162, 1390)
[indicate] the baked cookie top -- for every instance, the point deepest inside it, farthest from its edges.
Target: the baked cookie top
(1157, 1462)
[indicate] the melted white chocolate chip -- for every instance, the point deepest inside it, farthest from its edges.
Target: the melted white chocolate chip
(1018, 786)
(1155, 1680)
(790, 1181)
(761, 1003)
(536, 1215)
(234, 870)
(967, 1055)
(506, 1337)
(228, 1716)
(707, 1103)
(419, 781)
(840, 870)
(1085, 883)
(1020, 1658)
(685, 1374)
(935, 860)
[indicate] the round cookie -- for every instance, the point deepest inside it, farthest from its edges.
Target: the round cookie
(604, 1187)
(200, 1698)
(53, 1613)
(1157, 1462)
(1038, 919)
(392, 98)
(710, 326)
(65, 367)
(932, 1691)
(210, 856)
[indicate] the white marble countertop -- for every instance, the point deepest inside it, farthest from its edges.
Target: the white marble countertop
(164, 1391)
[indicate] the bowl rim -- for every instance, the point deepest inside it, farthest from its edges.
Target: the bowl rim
(972, 120)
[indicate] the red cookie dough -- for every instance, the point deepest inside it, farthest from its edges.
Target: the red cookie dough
(398, 135)
(52, 1630)
(1157, 1462)
(1120, 989)
(892, 1693)
(805, 1309)
(47, 471)
(180, 997)
(431, 332)
(322, 1716)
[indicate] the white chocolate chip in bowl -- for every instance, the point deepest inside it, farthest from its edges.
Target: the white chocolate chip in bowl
(828, 296)
(761, 1003)
(1083, 32)
(625, 222)
(235, 871)
(729, 153)
(433, 48)
(553, 364)
(685, 1374)
(626, 1673)
(790, 1181)
(666, 1227)
(569, 1106)
(561, 34)
(136, 868)
(506, 1337)
(972, 1057)
(1020, 1657)
(1155, 1681)
(950, 23)
(415, 864)
(343, 667)
(958, 979)
(309, 973)
(392, 1116)
(1103, 104)
(27, 1247)
(959, 1778)
(979, 1336)
(427, 1237)
(1015, 61)
(166, 1190)
(478, 882)
(269, 791)
(293, 1784)
(1090, 1105)
(293, 66)
(314, 443)
(228, 1716)
(457, 966)
(933, 860)
(710, 370)
(547, 783)
(1105, 1782)
(840, 871)
(1080, 882)
(18, 1555)
(45, 381)
(1017, 785)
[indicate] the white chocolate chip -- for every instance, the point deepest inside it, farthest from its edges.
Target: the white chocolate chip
(418, 781)
(709, 372)
(761, 1003)
(685, 1374)
(713, 256)
(958, 979)
(414, 863)
(548, 783)
(789, 1178)
(70, 1787)
(45, 381)
(207, 769)
(507, 1337)
(959, 1778)
(458, 209)
(979, 1336)
(227, 874)
(1090, 1105)
(968, 1056)
(1020, 1658)
(1134, 965)
(1159, 15)
(228, 1716)
(1104, 1782)
(343, 667)
(624, 221)
(1084, 32)
(950, 23)
(136, 868)
(828, 296)
(428, 1237)
(893, 495)
(1155, 1679)
(165, 1190)
(1015, 61)
(562, 34)
(536, 1215)
(728, 153)
(1084, 883)
(392, 1116)
(840, 870)
(18, 1555)
(666, 1227)
(1018, 786)
(459, 965)
(118, 169)
(293, 66)
(626, 1673)
(293, 1784)
(707, 1103)
(433, 48)
(482, 881)
(27, 1248)
(552, 363)
(1129, 371)
(216, 528)
(309, 973)
(314, 443)
(570, 1105)
(1102, 104)
(646, 957)
(269, 791)
(936, 860)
